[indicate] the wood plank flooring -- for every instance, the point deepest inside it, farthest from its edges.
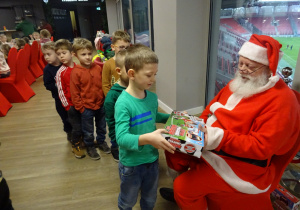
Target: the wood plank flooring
(42, 172)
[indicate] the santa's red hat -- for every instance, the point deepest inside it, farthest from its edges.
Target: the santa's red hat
(262, 49)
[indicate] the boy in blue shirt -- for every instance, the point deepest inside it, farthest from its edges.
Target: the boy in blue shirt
(136, 112)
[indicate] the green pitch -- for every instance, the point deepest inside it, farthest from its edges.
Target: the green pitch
(290, 55)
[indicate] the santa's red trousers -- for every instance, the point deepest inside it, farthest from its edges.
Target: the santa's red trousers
(202, 188)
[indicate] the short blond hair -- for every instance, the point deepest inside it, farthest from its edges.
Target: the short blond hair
(120, 35)
(45, 33)
(63, 44)
(137, 56)
(120, 58)
(48, 46)
(81, 43)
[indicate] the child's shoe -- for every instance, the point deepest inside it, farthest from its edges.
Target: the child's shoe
(115, 153)
(104, 147)
(92, 152)
(77, 150)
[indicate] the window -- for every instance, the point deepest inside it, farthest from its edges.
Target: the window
(280, 20)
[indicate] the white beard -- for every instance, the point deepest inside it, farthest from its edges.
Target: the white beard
(247, 88)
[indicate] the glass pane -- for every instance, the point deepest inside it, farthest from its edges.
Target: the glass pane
(280, 20)
(140, 22)
(126, 17)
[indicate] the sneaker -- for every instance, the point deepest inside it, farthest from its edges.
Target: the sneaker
(104, 147)
(77, 150)
(69, 136)
(115, 153)
(92, 152)
(167, 194)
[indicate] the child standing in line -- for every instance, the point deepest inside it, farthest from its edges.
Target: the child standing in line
(110, 101)
(63, 49)
(120, 41)
(88, 97)
(136, 112)
(50, 71)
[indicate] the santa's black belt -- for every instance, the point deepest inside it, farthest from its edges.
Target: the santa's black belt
(260, 163)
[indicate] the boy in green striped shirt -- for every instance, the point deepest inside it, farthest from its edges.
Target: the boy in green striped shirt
(136, 112)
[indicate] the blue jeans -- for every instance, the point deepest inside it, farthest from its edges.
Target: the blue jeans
(142, 178)
(87, 120)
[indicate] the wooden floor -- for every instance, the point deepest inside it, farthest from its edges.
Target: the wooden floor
(42, 172)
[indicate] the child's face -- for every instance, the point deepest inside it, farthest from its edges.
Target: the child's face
(3, 39)
(85, 57)
(50, 56)
(36, 36)
(65, 56)
(145, 77)
(119, 45)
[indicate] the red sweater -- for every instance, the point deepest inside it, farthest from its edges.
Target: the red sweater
(86, 87)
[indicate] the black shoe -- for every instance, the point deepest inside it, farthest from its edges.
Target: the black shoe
(104, 147)
(115, 153)
(92, 152)
(167, 194)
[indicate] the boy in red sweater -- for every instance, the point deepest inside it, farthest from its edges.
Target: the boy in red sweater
(63, 49)
(88, 98)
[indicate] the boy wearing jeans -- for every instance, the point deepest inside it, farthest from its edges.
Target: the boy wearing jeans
(136, 112)
(63, 49)
(88, 97)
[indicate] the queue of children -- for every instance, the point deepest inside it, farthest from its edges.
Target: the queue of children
(129, 109)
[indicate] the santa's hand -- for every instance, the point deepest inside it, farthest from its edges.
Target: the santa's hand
(204, 130)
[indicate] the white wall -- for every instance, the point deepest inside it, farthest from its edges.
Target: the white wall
(111, 11)
(181, 40)
(296, 81)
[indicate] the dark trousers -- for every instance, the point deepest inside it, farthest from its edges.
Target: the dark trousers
(63, 115)
(75, 120)
(88, 117)
(5, 202)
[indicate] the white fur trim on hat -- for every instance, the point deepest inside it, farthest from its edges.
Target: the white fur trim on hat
(254, 52)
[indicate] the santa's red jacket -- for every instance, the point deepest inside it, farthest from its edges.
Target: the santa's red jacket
(245, 133)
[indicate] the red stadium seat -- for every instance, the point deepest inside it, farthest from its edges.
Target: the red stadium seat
(34, 67)
(4, 105)
(15, 88)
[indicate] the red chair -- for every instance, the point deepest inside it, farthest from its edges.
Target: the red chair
(28, 75)
(42, 62)
(15, 88)
(4, 105)
(34, 67)
(12, 60)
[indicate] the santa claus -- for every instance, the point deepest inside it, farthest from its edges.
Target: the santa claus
(252, 127)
